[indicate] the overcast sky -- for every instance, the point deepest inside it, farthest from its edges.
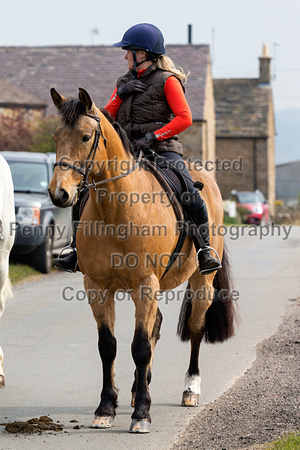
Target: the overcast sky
(235, 29)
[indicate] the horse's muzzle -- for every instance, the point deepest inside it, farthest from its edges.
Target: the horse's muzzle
(61, 199)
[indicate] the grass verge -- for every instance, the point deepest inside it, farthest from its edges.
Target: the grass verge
(287, 442)
(21, 272)
(230, 220)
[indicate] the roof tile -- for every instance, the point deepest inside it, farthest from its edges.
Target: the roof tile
(95, 68)
(12, 95)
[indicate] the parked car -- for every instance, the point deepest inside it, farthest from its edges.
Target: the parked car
(41, 228)
(252, 207)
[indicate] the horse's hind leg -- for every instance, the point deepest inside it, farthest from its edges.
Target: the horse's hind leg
(154, 339)
(191, 393)
(191, 327)
(142, 351)
(102, 304)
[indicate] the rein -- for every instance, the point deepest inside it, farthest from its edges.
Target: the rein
(122, 175)
(90, 161)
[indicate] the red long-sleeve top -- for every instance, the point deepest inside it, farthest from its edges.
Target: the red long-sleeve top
(176, 99)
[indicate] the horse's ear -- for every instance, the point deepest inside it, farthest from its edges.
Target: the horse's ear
(85, 99)
(58, 99)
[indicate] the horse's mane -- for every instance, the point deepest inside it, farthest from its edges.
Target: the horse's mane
(73, 108)
(121, 132)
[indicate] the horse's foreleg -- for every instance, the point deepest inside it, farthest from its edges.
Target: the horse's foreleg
(102, 304)
(3, 276)
(196, 324)
(154, 339)
(142, 352)
(2, 378)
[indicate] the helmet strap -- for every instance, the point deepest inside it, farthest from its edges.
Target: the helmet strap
(137, 64)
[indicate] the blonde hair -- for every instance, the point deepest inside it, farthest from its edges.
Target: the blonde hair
(165, 63)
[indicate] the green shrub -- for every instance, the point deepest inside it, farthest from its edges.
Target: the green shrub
(42, 140)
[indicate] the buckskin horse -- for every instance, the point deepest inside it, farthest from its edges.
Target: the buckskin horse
(89, 152)
(7, 217)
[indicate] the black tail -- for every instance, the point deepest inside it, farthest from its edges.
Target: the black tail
(221, 317)
(185, 311)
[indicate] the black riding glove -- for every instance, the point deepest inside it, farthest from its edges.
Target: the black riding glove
(130, 88)
(145, 143)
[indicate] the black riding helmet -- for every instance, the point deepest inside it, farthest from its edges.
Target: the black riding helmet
(143, 36)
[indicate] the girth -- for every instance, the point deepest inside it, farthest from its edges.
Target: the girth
(166, 184)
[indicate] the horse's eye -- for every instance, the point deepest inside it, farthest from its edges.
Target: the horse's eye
(86, 138)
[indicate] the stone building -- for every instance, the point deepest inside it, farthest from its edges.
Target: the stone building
(96, 68)
(245, 129)
(288, 183)
(19, 113)
(15, 101)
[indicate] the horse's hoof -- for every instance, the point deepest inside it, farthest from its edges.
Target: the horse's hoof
(102, 422)
(189, 398)
(2, 381)
(140, 426)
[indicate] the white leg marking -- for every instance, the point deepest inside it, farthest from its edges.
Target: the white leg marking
(192, 384)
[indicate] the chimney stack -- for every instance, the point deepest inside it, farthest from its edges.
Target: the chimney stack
(189, 34)
(265, 66)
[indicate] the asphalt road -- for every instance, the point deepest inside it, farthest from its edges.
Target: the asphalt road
(52, 364)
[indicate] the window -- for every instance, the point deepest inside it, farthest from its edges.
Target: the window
(29, 176)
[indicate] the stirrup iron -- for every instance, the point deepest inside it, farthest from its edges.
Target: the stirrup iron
(203, 272)
(67, 270)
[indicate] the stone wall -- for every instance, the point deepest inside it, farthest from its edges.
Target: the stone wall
(199, 140)
(191, 139)
(287, 215)
(271, 158)
(30, 114)
(242, 176)
(209, 129)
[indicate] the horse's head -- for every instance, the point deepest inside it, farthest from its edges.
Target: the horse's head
(77, 140)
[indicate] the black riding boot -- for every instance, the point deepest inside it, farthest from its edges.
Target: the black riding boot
(207, 263)
(68, 261)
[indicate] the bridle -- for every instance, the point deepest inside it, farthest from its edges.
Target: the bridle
(90, 161)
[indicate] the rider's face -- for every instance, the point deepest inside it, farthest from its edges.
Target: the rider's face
(140, 56)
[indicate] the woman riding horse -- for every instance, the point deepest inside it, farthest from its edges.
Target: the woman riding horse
(149, 103)
(87, 147)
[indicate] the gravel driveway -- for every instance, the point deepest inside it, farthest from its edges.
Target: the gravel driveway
(261, 405)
